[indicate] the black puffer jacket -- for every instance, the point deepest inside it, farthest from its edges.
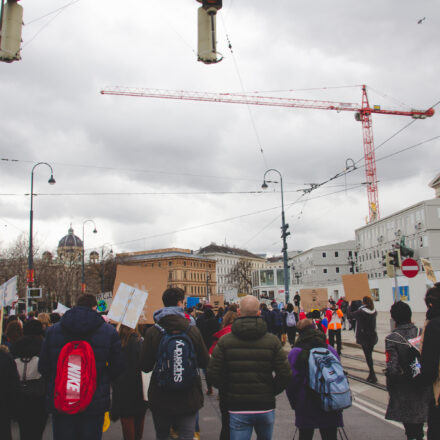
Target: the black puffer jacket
(409, 401)
(83, 323)
(431, 352)
(243, 363)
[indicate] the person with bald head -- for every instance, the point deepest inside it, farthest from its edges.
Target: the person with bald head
(249, 367)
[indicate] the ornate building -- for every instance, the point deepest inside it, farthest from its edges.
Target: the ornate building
(70, 248)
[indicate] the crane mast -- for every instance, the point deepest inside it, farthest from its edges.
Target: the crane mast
(362, 113)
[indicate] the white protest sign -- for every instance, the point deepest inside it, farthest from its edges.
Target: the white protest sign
(61, 309)
(8, 292)
(127, 305)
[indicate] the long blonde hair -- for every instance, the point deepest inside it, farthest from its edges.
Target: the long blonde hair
(44, 318)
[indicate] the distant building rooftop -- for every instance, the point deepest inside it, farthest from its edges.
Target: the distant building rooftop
(217, 249)
(159, 253)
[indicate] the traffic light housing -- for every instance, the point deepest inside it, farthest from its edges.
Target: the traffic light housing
(387, 262)
(11, 26)
(284, 230)
(406, 251)
(395, 259)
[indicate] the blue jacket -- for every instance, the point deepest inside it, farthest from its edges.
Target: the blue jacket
(83, 323)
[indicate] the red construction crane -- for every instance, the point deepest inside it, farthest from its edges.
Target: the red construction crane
(362, 113)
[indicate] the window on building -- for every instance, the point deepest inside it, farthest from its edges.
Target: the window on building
(337, 270)
(169, 263)
(324, 270)
(324, 254)
(184, 263)
(336, 254)
(350, 253)
(351, 269)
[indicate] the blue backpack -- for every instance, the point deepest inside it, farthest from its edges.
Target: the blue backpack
(176, 364)
(327, 378)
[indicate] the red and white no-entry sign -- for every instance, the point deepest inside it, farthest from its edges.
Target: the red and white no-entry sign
(410, 268)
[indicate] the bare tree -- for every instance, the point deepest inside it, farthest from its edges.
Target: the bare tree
(241, 276)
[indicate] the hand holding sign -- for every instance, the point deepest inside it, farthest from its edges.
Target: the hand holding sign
(127, 305)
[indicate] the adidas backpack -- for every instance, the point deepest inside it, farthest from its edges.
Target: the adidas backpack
(327, 378)
(75, 381)
(176, 364)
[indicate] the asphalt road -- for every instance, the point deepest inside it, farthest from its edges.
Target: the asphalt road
(363, 421)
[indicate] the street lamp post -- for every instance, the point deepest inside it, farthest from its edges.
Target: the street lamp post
(83, 279)
(284, 232)
(30, 271)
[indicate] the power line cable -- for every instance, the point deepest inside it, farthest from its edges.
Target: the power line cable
(395, 134)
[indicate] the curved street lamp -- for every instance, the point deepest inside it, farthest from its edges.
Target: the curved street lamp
(95, 231)
(284, 232)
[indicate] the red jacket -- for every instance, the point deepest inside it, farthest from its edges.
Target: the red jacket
(218, 335)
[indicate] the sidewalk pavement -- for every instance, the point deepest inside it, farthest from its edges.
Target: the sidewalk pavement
(383, 329)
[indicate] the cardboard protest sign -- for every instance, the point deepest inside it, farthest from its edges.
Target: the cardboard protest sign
(428, 270)
(149, 279)
(104, 301)
(217, 301)
(356, 286)
(127, 305)
(313, 299)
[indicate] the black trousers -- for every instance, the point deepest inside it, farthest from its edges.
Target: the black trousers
(326, 434)
(291, 335)
(332, 334)
(414, 431)
(434, 422)
(368, 352)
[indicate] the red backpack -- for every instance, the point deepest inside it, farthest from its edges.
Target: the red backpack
(75, 381)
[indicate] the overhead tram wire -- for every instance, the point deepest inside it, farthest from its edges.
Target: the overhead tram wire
(62, 8)
(152, 193)
(243, 91)
(189, 228)
(57, 12)
(145, 171)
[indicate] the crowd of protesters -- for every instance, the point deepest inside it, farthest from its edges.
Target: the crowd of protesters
(239, 349)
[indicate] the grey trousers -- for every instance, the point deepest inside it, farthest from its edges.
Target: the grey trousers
(184, 425)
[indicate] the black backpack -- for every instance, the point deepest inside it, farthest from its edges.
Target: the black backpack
(32, 384)
(176, 364)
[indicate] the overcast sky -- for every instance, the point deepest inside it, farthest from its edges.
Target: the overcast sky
(52, 111)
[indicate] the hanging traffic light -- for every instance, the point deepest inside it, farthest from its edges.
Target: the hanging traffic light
(207, 28)
(10, 27)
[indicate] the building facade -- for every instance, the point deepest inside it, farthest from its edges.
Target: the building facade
(323, 265)
(234, 268)
(195, 274)
(418, 226)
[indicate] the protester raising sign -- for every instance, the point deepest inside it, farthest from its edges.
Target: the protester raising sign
(127, 305)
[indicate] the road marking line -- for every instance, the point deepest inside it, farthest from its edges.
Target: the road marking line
(371, 405)
(379, 416)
